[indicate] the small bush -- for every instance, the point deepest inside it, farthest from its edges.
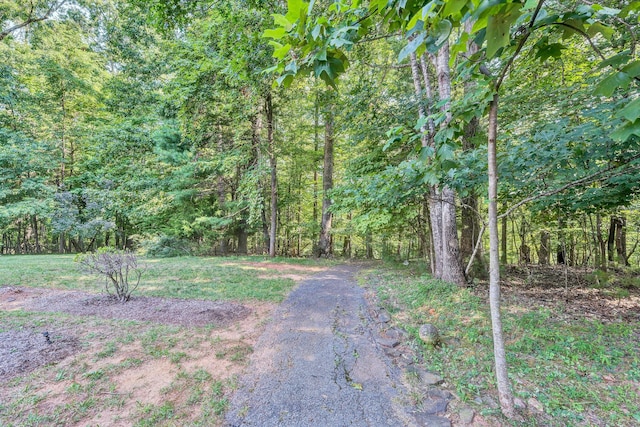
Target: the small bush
(120, 270)
(166, 247)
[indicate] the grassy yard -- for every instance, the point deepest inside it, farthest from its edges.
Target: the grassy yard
(238, 278)
(578, 372)
(128, 372)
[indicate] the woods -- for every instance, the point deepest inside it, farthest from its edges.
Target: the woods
(465, 134)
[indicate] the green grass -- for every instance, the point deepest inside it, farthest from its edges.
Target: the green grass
(575, 368)
(86, 382)
(238, 278)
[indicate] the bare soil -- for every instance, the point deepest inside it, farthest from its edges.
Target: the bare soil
(569, 292)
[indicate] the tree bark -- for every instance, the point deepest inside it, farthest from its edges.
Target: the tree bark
(469, 214)
(274, 176)
(448, 249)
(545, 248)
(324, 244)
(502, 379)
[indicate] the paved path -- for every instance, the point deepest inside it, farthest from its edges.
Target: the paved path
(318, 363)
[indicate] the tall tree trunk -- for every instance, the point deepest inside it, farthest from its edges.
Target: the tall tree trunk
(448, 249)
(470, 223)
(274, 176)
(617, 242)
(36, 234)
(601, 243)
(221, 191)
(502, 379)
(324, 244)
(503, 241)
(545, 248)
(561, 249)
(242, 236)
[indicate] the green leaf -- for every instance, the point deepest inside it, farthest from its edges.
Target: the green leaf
(453, 7)
(411, 46)
(633, 7)
(296, 9)
(285, 80)
(282, 21)
(274, 33)
(615, 80)
(499, 27)
(443, 30)
(598, 27)
(282, 51)
(569, 31)
(631, 111)
(632, 69)
(316, 31)
(553, 50)
(616, 60)
(624, 132)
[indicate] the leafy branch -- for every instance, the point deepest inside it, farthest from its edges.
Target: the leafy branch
(32, 19)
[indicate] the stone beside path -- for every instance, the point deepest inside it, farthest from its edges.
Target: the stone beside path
(328, 358)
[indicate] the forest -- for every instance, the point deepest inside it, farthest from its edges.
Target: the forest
(178, 127)
(466, 136)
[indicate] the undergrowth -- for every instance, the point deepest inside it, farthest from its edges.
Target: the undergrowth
(583, 372)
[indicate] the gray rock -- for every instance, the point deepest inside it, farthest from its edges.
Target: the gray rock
(431, 379)
(434, 406)
(394, 333)
(478, 400)
(427, 420)
(467, 415)
(388, 342)
(438, 392)
(383, 317)
(429, 334)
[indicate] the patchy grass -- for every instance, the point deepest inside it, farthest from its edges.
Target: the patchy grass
(126, 372)
(583, 372)
(239, 278)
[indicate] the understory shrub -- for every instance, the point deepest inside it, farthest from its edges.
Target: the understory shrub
(120, 270)
(164, 246)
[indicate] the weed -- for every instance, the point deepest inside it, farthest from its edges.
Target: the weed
(108, 351)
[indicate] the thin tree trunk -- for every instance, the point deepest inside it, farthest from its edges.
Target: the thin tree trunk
(324, 244)
(545, 248)
(503, 242)
(502, 379)
(601, 243)
(274, 176)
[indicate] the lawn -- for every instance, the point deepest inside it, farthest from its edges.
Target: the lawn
(106, 371)
(238, 278)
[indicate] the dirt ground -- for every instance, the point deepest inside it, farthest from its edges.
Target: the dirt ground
(570, 292)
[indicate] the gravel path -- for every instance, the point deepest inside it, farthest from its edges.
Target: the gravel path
(318, 363)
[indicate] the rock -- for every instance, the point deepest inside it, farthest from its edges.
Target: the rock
(426, 377)
(388, 342)
(427, 420)
(434, 406)
(394, 333)
(535, 404)
(383, 317)
(466, 415)
(478, 400)
(431, 379)
(438, 392)
(429, 334)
